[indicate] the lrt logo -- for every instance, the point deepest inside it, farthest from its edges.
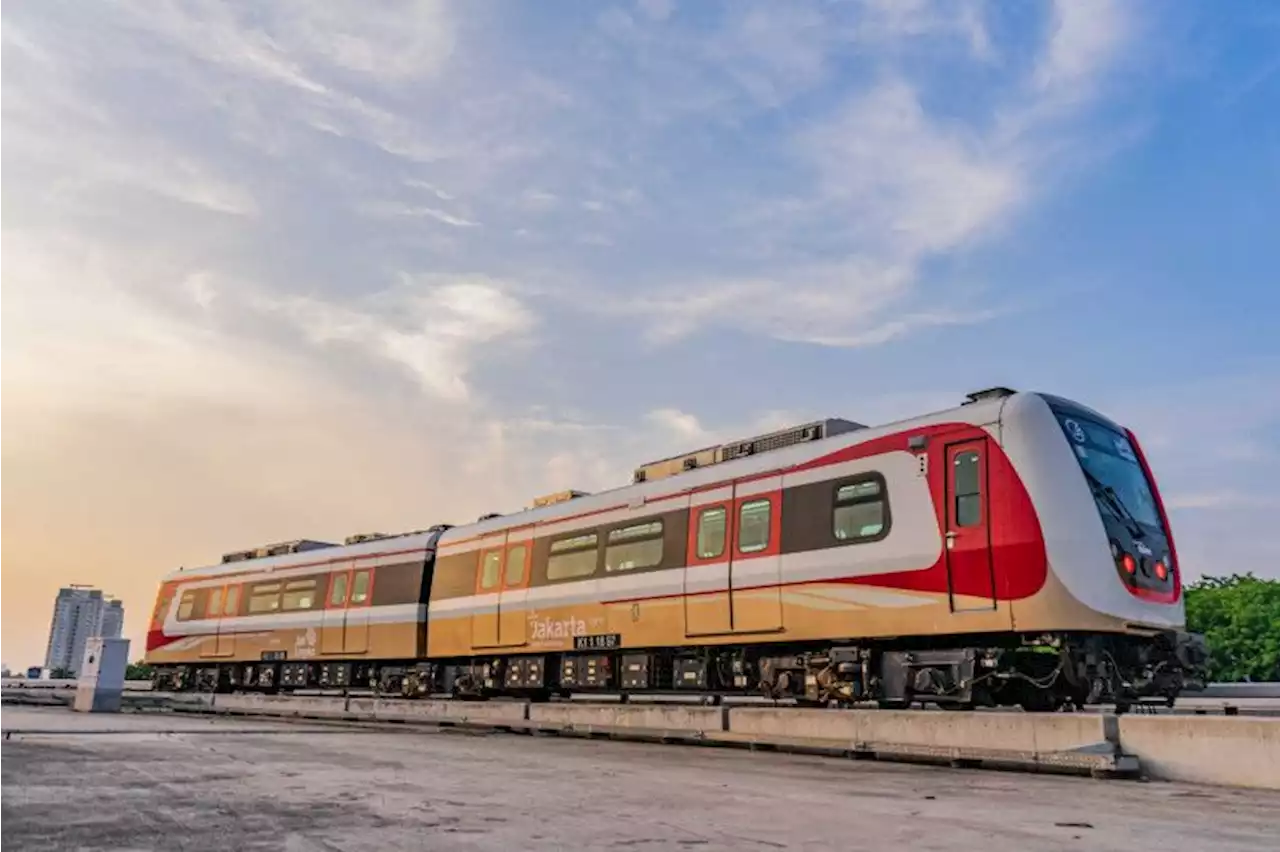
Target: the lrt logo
(545, 628)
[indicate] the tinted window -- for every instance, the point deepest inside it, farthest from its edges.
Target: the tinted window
(1109, 459)
(630, 548)
(711, 529)
(753, 526)
(186, 605)
(299, 594)
(859, 510)
(264, 597)
(572, 557)
(490, 570)
(968, 496)
(515, 565)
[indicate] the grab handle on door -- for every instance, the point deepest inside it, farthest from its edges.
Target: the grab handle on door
(951, 539)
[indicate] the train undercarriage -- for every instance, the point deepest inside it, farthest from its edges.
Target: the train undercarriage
(1042, 673)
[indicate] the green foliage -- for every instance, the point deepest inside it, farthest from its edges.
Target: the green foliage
(137, 671)
(1239, 616)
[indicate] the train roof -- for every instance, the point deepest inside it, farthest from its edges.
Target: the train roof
(424, 541)
(979, 408)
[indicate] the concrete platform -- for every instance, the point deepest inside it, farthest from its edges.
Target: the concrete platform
(1241, 751)
(314, 786)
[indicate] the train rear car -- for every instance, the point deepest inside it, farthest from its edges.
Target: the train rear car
(296, 615)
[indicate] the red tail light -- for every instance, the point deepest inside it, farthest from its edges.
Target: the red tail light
(1129, 564)
(1161, 571)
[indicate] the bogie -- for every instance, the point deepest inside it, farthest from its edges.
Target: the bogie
(1042, 674)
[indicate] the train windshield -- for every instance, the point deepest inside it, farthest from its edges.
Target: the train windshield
(1116, 478)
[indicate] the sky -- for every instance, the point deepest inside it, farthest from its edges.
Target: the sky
(300, 270)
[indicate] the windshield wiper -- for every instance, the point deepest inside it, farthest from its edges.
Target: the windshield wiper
(1117, 505)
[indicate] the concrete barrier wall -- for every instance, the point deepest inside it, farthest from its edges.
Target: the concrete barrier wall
(764, 722)
(1234, 751)
(478, 712)
(1239, 751)
(653, 717)
(1015, 732)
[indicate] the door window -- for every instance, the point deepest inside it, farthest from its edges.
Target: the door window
(711, 532)
(514, 575)
(338, 591)
(753, 526)
(360, 587)
(231, 604)
(968, 487)
(490, 570)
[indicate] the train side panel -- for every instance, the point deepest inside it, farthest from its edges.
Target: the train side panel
(799, 582)
(371, 607)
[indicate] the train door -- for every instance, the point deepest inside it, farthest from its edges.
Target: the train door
(755, 567)
(225, 645)
(333, 620)
(485, 619)
(513, 624)
(355, 636)
(706, 575)
(970, 572)
(212, 611)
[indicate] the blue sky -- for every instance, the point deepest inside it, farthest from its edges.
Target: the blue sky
(297, 269)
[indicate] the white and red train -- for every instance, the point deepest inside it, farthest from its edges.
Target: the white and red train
(1011, 550)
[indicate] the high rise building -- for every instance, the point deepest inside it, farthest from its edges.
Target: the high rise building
(78, 613)
(112, 619)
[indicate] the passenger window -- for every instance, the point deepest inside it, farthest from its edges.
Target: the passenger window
(214, 607)
(859, 511)
(185, 605)
(711, 529)
(968, 509)
(264, 597)
(572, 557)
(753, 526)
(515, 566)
(231, 606)
(338, 591)
(490, 570)
(634, 547)
(300, 594)
(360, 587)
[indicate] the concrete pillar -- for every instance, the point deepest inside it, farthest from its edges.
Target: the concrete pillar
(101, 682)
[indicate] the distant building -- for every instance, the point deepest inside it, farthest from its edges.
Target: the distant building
(112, 619)
(80, 612)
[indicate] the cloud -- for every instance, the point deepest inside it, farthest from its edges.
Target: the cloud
(395, 209)
(429, 325)
(679, 423)
(903, 181)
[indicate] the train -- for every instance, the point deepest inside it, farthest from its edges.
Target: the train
(1012, 550)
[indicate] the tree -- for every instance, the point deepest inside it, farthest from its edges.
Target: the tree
(137, 671)
(1239, 616)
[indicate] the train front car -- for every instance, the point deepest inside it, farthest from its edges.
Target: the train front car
(1112, 601)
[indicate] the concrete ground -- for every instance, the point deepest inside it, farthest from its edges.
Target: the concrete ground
(164, 782)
